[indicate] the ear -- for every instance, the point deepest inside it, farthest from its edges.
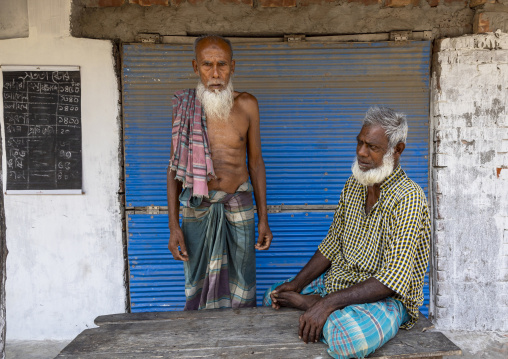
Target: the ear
(397, 151)
(195, 67)
(232, 66)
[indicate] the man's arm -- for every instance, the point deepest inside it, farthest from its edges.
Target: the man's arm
(313, 320)
(394, 277)
(257, 172)
(316, 266)
(174, 188)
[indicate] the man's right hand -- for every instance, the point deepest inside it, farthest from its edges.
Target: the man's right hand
(175, 241)
(284, 287)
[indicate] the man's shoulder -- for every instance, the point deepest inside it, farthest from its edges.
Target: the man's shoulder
(181, 94)
(247, 103)
(405, 186)
(245, 97)
(351, 184)
(351, 190)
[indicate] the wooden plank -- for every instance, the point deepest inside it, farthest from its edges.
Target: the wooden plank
(227, 333)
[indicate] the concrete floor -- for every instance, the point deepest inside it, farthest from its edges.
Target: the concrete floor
(479, 345)
(474, 345)
(34, 349)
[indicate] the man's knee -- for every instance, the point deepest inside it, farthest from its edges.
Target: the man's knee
(358, 330)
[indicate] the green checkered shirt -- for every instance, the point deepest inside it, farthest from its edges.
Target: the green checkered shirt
(391, 243)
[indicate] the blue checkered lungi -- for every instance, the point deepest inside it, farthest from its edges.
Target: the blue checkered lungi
(356, 330)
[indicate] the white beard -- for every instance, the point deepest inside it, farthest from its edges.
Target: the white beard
(375, 175)
(217, 104)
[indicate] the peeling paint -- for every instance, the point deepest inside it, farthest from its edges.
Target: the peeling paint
(469, 119)
(471, 210)
(486, 157)
(497, 108)
(470, 147)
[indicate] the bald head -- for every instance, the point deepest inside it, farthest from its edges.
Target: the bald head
(207, 40)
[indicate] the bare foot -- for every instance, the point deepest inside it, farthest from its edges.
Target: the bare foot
(297, 300)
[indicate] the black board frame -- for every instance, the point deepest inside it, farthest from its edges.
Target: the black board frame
(44, 105)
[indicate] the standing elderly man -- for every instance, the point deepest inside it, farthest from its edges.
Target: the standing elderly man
(366, 278)
(215, 130)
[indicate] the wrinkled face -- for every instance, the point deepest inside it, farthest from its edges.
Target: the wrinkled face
(372, 144)
(213, 64)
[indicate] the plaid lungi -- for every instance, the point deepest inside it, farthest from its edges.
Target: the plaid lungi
(356, 330)
(219, 235)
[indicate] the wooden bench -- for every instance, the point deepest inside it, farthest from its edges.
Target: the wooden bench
(230, 333)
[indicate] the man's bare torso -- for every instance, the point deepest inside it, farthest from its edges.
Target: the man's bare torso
(228, 144)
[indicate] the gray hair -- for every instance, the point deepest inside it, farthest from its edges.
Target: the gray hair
(215, 38)
(394, 123)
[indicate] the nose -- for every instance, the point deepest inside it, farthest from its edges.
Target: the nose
(361, 151)
(215, 72)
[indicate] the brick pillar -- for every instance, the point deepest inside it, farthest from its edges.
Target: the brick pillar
(470, 182)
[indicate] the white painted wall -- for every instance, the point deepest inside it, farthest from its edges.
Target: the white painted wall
(65, 264)
(470, 177)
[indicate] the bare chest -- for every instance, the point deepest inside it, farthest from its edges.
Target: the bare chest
(371, 200)
(230, 134)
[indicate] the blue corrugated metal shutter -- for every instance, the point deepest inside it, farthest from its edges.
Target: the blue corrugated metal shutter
(311, 98)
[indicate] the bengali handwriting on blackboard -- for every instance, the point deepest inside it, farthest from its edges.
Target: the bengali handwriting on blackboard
(42, 119)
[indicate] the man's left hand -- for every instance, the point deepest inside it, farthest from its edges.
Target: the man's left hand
(264, 237)
(312, 322)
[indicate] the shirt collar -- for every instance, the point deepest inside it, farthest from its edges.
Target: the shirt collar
(392, 178)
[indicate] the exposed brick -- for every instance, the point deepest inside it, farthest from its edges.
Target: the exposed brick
(433, 3)
(397, 3)
(481, 23)
(245, 2)
(475, 3)
(104, 3)
(316, 2)
(492, 20)
(277, 3)
(367, 2)
(450, 2)
(150, 2)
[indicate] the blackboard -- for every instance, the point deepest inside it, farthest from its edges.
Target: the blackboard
(42, 126)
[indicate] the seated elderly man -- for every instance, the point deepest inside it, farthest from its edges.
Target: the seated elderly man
(366, 278)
